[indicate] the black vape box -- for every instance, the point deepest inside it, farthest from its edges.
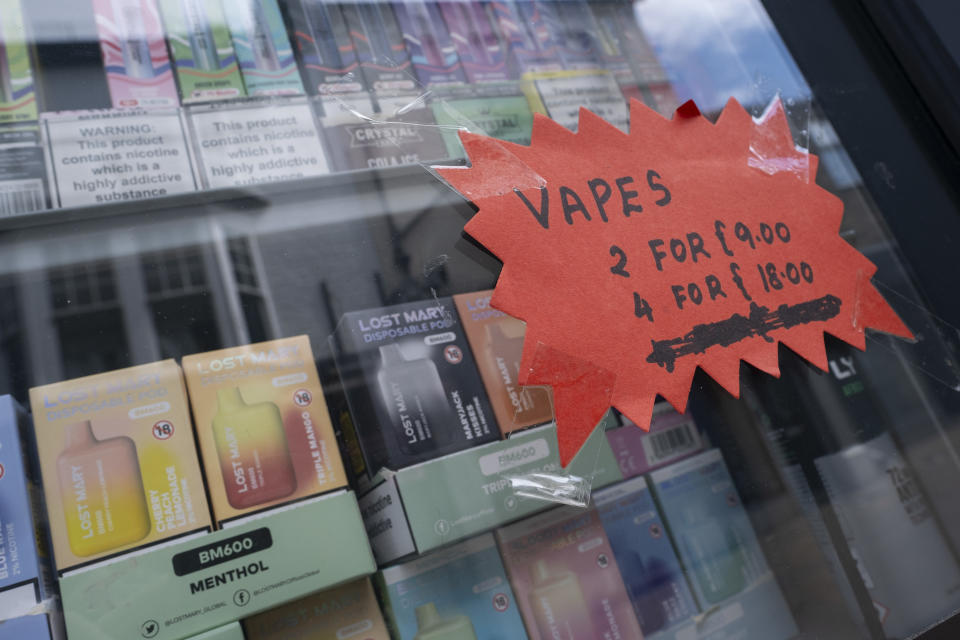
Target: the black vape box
(411, 383)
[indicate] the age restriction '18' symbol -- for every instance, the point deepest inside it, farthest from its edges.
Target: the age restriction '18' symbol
(163, 430)
(501, 602)
(302, 397)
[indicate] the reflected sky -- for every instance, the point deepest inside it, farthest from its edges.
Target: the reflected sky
(714, 49)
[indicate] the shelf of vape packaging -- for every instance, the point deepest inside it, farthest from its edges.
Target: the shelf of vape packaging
(434, 503)
(181, 589)
(335, 195)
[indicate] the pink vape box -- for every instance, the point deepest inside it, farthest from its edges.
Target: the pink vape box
(134, 54)
(673, 436)
(565, 578)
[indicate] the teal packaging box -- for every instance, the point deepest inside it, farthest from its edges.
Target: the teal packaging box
(263, 49)
(458, 592)
(735, 588)
(25, 576)
(648, 564)
(425, 506)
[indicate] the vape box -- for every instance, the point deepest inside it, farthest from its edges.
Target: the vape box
(412, 383)
(504, 115)
(135, 54)
(32, 627)
(637, 48)
(735, 589)
(672, 437)
(379, 45)
(574, 30)
(347, 612)
(23, 171)
(178, 590)
(263, 426)
(328, 59)
(565, 577)
(451, 498)
(18, 96)
(263, 49)
(119, 465)
(203, 54)
(648, 564)
(402, 132)
(431, 49)
(497, 343)
(530, 44)
(481, 52)
(609, 32)
(458, 592)
(25, 577)
(231, 631)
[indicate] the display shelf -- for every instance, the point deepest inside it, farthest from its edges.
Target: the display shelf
(182, 589)
(428, 505)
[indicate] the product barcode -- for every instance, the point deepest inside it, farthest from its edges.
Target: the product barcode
(671, 443)
(21, 196)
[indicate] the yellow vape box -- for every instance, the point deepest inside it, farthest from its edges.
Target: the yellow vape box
(118, 461)
(348, 611)
(263, 426)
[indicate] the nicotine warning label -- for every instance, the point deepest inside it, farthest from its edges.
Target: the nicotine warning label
(108, 156)
(251, 145)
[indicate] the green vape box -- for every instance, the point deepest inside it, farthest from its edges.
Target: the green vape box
(203, 53)
(434, 503)
(18, 97)
(505, 118)
(178, 590)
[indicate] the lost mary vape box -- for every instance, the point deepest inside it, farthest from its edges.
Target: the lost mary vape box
(460, 592)
(432, 52)
(25, 576)
(119, 465)
(412, 383)
(135, 57)
(648, 564)
(328, 58)
(497, 343)
(202, 50)
(482, 54)
(263, 49)
(347, 612)
(737, 593)
(565, 577)
(18, 96)
(672, 437)
(263, 426)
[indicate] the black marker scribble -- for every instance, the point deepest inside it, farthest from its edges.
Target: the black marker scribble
(738, 327)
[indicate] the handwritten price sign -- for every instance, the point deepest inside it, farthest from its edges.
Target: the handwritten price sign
(637, 258)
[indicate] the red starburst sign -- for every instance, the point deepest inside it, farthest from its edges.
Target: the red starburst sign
(636, 258)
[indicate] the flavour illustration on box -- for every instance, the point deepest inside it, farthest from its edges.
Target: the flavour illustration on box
(202, 50)
(456, 593)
(18, 97)
(263, 426)
(329, 59)
(254, 454)
(103, 496)
(650, 568)
(418, 394)
(477, 44)
(563, 571)
(263, 49)
(430, 626)
(134, 52)
(347, 612)
(428, 41)
(118, 460)
(497, 343)
(735, 588)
